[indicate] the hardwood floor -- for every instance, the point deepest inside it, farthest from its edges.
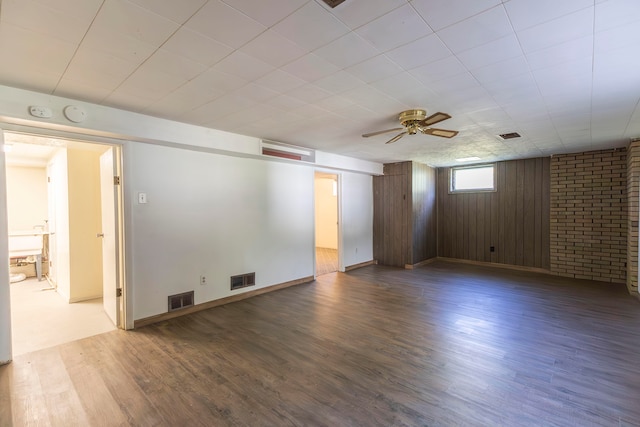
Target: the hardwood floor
(326, 261)
(441, 345)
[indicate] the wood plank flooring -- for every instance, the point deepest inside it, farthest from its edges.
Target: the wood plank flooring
(440, 345)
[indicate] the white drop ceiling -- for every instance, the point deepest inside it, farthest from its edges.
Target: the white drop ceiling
(564, 74)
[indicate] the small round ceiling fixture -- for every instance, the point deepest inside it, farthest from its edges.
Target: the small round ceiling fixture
(74, 113)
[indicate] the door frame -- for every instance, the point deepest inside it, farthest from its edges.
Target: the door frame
(338, 176)
(125, 321)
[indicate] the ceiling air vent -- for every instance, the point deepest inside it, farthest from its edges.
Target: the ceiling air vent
(333, 3)
(286, 151)
(510, 135)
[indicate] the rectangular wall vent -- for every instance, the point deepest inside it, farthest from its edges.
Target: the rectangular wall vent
(243, 280)
(178, 301)
(286, 151)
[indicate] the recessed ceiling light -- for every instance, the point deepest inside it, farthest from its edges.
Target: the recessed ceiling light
(467, 159)
(510, 135)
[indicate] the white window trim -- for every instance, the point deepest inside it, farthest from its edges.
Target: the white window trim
(475, 190)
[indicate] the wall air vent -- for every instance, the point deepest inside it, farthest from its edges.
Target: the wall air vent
(333, 3)
(243, 280)
(509, 135)
(286, 151)
(178, 301)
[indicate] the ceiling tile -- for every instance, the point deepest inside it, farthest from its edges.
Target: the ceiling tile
(49, 19)
(279, 81)
(266, 12)
(176, 11)
(225, 24)
(242, 65)
(308, 93)
(407, 89)
(150, 83)
(187, 97)
(125, 100)
(614, 13)
(477, 30)
(563, 52)
(132, 21)
(24, 50)
(438, 70)
(311, 27)
(255, 92)
(172, 63)
(82, 91)
(348, 50)
(623, 37)
(442, 13)
(496, 51)
(523, 15)
(374, 69)
(310, 68)
(197, 47)
(357, 13)
(501, 70)
(398, 27)
(419, 52)
(92, 67)
(273, 49)
(285, 103)
(375, 100)
(338, 82)
(561, 30)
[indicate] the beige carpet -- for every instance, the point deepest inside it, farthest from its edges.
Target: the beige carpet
(326, 261)
(42, 319)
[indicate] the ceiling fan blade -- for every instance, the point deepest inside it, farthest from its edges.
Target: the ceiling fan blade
(397, 137)
(441, 132)
(434, 118)
(367, 135)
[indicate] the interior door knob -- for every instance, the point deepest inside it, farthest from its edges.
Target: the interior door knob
(100, 235)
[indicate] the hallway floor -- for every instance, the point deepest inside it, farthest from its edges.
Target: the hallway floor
(42, 319)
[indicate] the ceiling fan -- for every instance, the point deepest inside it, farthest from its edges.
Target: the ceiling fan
(415, 121)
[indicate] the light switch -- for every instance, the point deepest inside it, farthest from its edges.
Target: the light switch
(142, 198)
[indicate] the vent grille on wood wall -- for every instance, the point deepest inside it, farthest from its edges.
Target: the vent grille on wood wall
(178, 301)
(286, 151)
(243, 280)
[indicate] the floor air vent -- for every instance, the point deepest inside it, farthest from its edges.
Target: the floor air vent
(178, 301)
(243, 280)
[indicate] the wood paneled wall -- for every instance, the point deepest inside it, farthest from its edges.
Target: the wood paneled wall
(424, 213)
(404, 214)
(514, 219)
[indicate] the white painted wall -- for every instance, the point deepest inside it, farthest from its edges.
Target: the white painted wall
(222, 212)
(26, 197)
(326, 211)
(216, 216)
(357, 218)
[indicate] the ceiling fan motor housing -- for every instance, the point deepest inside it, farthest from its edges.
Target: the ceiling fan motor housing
(410, 119)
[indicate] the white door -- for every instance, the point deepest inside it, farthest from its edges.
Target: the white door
(51, 225)
(109, 236)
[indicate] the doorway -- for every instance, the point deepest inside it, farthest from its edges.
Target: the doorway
(327, 245)
(55, 190)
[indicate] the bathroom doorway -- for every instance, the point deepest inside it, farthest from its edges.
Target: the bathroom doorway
(326, 223)
(54, 190)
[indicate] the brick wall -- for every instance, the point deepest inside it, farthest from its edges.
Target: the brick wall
(589, 215)
(633, 196)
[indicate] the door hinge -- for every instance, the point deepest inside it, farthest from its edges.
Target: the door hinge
(118, 292)
(116, 180)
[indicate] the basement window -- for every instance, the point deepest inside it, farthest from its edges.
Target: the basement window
(472, 179)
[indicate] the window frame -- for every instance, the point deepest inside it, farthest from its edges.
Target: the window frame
(452, 170)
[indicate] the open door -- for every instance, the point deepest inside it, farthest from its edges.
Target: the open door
(108, 196)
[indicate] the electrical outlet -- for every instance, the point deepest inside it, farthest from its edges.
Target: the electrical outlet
(203, 280)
